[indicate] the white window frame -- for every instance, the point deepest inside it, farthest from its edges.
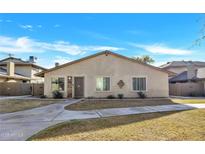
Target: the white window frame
(133, 87)
(96, 83)
(64, 82)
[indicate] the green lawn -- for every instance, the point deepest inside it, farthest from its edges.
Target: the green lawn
(13, 105)
(184, 125)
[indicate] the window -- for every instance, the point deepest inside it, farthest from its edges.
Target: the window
(139, 83)
(103, 84)
(57, 84)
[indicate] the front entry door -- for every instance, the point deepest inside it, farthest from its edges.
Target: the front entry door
(79, 87)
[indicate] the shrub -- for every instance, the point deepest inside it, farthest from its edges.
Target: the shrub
(141, 95)
(110, 97)
(90, 97)
(120, 96)
(57, 94)
(43, 96)
(192, 94)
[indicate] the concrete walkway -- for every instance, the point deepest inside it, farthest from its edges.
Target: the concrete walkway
(23, 124)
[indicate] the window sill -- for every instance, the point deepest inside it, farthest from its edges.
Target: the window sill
(59, 91)
(103, 91)
(139, 91)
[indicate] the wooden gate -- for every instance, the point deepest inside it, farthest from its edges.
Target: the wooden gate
(186, 89)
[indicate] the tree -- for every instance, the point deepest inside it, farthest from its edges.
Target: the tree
(200, 39)
(144, 59)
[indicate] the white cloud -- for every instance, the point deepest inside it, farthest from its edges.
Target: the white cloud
(56, 25)
(101, 48)
(159, 63)
(6, 20)
(175, 58)
(28, 27)
(9, 21)
(62, 60)
(39, 26)
(26, 45)
(21, 44)
(162, 49)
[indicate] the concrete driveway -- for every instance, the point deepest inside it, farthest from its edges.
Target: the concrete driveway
(23, 124)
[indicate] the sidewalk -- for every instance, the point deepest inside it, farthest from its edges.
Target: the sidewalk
(23, 124)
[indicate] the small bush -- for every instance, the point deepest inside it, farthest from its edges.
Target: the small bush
(43, 96)
(120, 96)
(192, 94)
(57, 94)
(141, 95)
(90, 97)
(110, 97)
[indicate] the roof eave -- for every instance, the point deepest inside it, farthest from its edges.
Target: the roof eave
(14, 77)
(41, 74)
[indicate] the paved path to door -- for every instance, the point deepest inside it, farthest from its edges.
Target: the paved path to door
(23, 124)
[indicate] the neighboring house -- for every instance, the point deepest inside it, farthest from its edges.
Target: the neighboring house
(105, 73)
(11, 76)
(17, 70)
(181, 66)
(186, 71)
(190, 77)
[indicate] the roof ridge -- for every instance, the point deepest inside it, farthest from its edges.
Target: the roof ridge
(100, 53)
(23, 62)
(182, 63)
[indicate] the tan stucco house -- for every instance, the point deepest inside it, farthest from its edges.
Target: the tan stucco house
(17, 70)
(182, 66)
(105, 73)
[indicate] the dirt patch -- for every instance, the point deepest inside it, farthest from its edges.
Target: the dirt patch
(13, 105)
(92, 104)
(174, 126)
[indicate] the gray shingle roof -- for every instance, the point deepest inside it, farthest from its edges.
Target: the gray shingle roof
(16, 60)
(180, 77)
(183, 64)
(19, 61)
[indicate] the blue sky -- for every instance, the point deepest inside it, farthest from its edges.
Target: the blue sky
(66, 37)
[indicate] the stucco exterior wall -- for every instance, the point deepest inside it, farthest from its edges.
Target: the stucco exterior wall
(30, 72)
(118, 69)
(201, 73)
(24, 70)
(36, 79)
